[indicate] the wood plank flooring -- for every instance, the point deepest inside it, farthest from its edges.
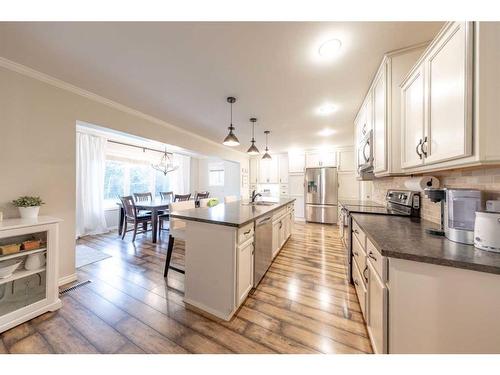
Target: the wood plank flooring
(303, 305)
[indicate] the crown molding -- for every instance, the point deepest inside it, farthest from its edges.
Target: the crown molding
(29, 72)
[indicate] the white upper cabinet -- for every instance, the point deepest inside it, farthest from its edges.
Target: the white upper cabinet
(254, 170)
(283, 168)
(449, 126)
(412, 119)
(346, 160)
(436, 105)
(296, 162)
(317, 159)
(268, 170)
(380, 121)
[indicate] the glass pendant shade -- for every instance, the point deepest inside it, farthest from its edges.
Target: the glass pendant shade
(266, 155)
(231, 139)
(253, 150)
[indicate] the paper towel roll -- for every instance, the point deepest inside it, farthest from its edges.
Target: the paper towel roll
(420, 183)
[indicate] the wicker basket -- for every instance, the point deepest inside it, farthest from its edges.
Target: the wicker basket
(10, 249)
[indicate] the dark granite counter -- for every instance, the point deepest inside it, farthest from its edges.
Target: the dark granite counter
(234, 214)
(405, 238)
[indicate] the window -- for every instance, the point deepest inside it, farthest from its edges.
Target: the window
(141, 178)
(162, 183)
(114, 180)
(216, 174)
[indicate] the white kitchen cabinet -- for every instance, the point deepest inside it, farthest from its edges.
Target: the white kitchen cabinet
(283, 168)
(244, 270)
(276, 238)
(296, 162)
(317, 159)
(254, 171)
(346, 160)
(412, 119)
(380, 121)
(449, 67)
(377, 299)
(348, 185)
(268, 170)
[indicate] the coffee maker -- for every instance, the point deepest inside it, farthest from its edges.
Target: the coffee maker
(458, 212)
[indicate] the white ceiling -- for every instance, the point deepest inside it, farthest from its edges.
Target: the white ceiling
(182, 72)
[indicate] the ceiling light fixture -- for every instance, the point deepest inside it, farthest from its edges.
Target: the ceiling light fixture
(266, 155)
(166, 163)
(253, 150)
(326, 132)
(326, 109)
(231, 139)
(330, 48)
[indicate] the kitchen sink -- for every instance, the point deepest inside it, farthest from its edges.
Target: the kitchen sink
(259, 203)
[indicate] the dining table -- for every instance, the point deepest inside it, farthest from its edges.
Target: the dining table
(156, 206)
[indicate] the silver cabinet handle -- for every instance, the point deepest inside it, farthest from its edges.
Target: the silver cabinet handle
(355, 253)
(248, 231)
(370, 255)
(416, 149)
(366, 278)
(356, 231)
(355, 282)
(422, 147)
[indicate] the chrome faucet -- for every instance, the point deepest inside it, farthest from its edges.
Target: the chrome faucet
(255, 195)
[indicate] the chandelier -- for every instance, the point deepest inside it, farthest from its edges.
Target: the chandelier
(166, 164)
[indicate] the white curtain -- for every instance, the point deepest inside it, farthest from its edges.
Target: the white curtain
(90, 169)
(181, 176)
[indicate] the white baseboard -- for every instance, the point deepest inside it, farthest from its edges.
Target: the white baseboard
(67, 279)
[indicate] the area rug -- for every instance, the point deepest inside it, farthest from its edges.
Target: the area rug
(87, 255)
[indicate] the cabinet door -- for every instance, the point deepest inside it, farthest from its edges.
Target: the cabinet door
(377, 311)
(276, 238)
(348, 186)
(254, 171)
(380, 122)
(328, 159)
(268, 171)
(296, 162)
(245, 271)
(273, 175)
(412, 119)
(283, 169)
(313, 160)
(345, 161)
(449, 127)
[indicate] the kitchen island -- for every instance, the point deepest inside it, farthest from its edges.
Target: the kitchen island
(220, 261)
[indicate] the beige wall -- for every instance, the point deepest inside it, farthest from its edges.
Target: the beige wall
(37, 144)
(486, 179)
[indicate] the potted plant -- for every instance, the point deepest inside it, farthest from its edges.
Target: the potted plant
(28, 206)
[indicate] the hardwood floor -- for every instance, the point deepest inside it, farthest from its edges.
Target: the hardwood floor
(303, 305)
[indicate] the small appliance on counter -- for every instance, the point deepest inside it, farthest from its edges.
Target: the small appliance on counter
(487, 231)
(458, 212)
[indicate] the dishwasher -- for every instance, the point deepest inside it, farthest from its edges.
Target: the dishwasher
(263, 255)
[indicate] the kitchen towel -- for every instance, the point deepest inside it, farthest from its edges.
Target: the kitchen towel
(422, 182)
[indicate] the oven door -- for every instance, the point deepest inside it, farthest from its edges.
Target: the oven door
(365, 153)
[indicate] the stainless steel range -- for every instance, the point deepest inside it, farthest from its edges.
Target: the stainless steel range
(397, 202)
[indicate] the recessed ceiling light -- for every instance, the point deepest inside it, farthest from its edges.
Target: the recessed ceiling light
(330, 48)
(326, 109)
(326, 132)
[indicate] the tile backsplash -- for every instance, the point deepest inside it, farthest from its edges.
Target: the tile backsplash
(485, 179)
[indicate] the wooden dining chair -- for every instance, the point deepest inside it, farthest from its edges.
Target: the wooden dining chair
(143, 197)
(201, 195)
(230, 198)
(165, 195)
(132, 216)
(182, 197)
(177, 231)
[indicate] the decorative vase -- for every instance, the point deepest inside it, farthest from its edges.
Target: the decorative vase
(34, 261)
(29, 212)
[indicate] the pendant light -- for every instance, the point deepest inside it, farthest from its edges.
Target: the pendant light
(231, 139)
(166, 164)
(266, 155)
(253, 150)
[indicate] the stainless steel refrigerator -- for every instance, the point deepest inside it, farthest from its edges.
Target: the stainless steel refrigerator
(321, 191)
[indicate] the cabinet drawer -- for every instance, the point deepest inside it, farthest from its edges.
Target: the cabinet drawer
(245, 233)
(358, 232)
(360, 288)
(278, 214)
(376, 259)
(359, 256)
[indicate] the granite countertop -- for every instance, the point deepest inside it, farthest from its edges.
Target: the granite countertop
(234, 214)
(405, 238)
(358, 202)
